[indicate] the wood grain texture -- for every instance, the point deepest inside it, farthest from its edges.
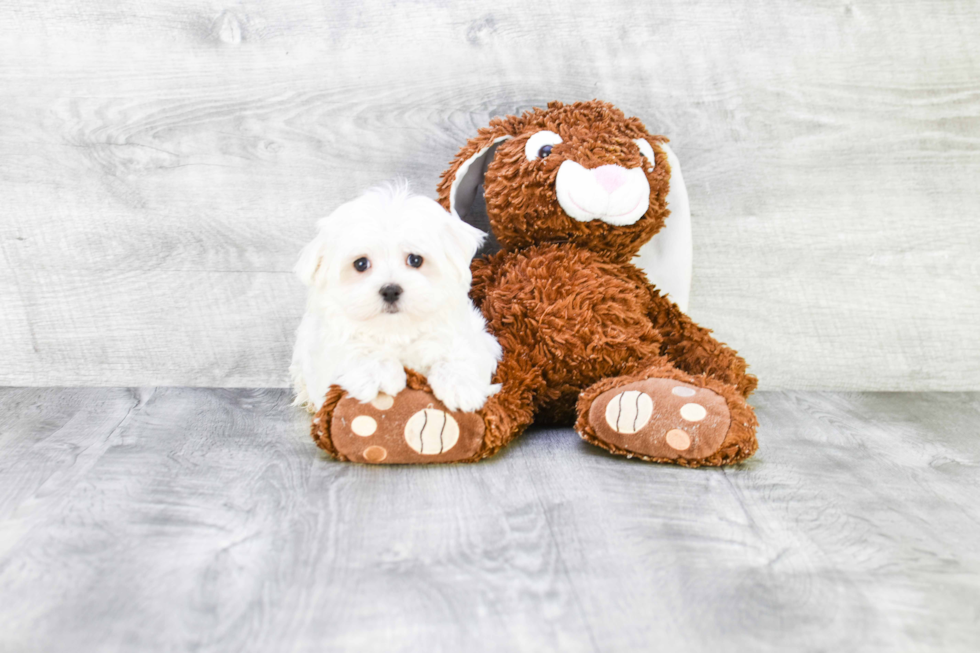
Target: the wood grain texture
(202, 519)
(162, 163)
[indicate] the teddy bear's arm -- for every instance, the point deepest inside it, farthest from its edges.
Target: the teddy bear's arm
(693, 349)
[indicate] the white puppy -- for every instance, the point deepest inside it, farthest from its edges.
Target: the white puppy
(389, 280)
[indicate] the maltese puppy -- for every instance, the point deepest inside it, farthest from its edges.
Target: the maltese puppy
(389, 280)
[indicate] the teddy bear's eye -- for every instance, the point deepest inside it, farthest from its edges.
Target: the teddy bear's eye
(646, 150)
(414, 260)
(540, 144)
(362, 264)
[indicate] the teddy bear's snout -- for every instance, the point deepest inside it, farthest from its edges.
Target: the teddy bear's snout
(610, 177)
(611, 193)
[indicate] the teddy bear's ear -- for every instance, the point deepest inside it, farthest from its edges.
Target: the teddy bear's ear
(666, 259)
(460, 184)
(466, 174)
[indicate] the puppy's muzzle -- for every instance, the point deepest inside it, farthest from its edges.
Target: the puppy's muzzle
(390, 294)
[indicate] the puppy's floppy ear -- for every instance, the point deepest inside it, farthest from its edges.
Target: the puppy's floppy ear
(310, 261)
(461, 242)
(313, 259)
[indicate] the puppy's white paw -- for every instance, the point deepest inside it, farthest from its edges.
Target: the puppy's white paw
(366, 380)
(458, 389)
(360, 385)
(393, 377)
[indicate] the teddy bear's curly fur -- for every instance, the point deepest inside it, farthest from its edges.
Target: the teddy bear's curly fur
(582, 329)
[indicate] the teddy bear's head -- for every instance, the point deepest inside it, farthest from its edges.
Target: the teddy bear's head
(580, 173)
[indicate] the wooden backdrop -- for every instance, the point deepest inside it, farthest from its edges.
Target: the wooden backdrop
(162, 163)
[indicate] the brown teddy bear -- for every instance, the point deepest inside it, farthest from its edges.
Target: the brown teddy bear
(572, 193)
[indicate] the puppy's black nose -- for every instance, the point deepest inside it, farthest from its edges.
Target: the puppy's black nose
(391, 292)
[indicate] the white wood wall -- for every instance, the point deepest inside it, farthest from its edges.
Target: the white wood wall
(162, 163)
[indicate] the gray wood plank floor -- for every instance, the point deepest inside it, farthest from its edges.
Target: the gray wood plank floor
(200, 519)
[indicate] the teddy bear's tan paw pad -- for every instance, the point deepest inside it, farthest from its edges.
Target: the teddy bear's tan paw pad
(661, 418)
(412, 427)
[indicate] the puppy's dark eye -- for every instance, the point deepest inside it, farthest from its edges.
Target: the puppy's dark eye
(544, 151)
(414, 260)
(362, 264)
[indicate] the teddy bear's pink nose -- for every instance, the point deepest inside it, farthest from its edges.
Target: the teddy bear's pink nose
(610, 177)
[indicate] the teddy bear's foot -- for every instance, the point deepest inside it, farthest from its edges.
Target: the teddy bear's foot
(668, 420)
(411, 427)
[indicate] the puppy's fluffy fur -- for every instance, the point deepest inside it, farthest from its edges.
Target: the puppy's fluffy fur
(353, 334)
